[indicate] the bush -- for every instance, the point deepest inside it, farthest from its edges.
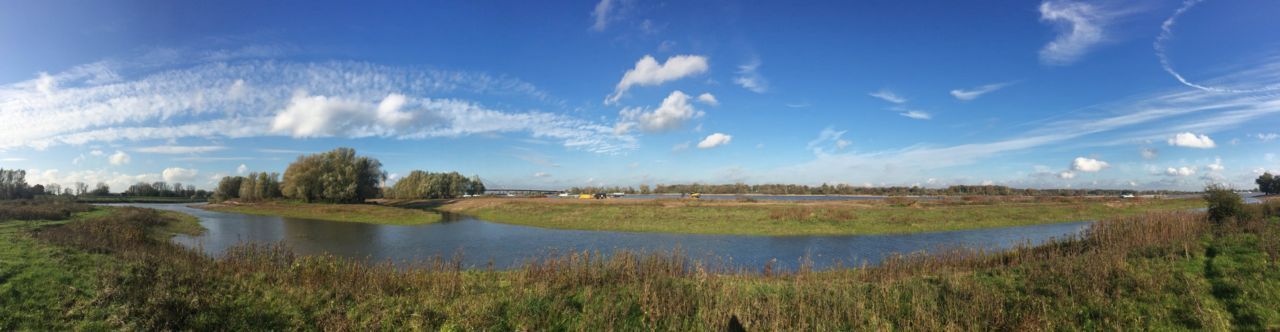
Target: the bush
(1224, 204)
(40, 210)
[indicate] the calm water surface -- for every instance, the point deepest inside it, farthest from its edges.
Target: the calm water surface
(482, 242)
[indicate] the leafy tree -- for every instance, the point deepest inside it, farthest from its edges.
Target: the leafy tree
(13, 184)
(101, 190)
(1268, 183)
(423, 184)
(337, 176)
(228, 188)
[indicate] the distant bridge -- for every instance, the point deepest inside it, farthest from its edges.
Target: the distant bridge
(488, 191)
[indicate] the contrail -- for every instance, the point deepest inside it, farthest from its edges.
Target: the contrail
(1166, 33)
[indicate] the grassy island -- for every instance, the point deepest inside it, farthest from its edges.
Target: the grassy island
(362, 213)
(750, 217)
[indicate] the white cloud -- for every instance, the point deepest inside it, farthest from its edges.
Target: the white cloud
(117, 181)
(178, 174)
(45, 83)
(242, 169)
(601, 15)
(541, 175)
(119, 158)
(97, 153)
(714, 140)
(918, 115)
(1067, 175)
(1081, 26)
(1089, 165)
(320, 116)
(237, 90)
(749, 77)
(1150, 153)
(674, 112)
(829, 141)
(175, 149)
(1216, 166)
(12, 159)
(974, 93)
(708, 98)
(1266, 137)
(888, 96)
(196, 101)
(648, 72)
(1190, 140)
(1180, 171)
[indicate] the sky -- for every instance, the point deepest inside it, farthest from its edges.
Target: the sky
(549, 95)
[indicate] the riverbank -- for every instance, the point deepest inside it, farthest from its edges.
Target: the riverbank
(1157, 271)
(362, 213)
(896, 215)
(136, 199)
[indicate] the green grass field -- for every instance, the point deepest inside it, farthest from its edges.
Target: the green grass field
(1158, 271)
(791, 218)
(362, 213)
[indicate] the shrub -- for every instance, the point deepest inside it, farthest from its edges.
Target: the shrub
(1224, 204)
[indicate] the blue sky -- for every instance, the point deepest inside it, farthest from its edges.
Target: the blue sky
(1054, 94)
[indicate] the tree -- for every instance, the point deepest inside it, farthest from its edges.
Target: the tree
(1224, 203)
(1268, 183)
(81, 188)
(101, 190)
(423, 184)
(337, 176)
(228, 188)
(13, 184)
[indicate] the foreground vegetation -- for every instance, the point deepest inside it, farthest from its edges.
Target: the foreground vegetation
(1160, 271)
(805, 218)
(362, 213)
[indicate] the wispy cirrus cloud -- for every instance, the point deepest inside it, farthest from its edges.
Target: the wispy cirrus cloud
(251, 98)
(178, 149)
(974, 93)
(749, 77)
(1081, 27)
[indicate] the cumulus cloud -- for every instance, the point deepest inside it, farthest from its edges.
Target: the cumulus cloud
(889, 96)
(1067, 175)
(1266, 137)
(320, 116)
(749, 77)
(175, 149)
(673, 113)
(648, 72)
(115, 180)
(971, 94)
(708, 98)
(242, 169)
(119, 158)
(1180, 171)
(1216, 166)
(1088, 165)
(714, 140)
(1081, 27)
(541, 175)
(1190, 140)
(97, 153)
(179, 174)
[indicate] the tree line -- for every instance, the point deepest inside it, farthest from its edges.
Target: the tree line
(423, 184)
(845, 189)
(155, 189)
(341, 176)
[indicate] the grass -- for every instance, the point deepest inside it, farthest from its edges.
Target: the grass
(1156, 271)
(136, 199)
(803, 218)
(362, 213)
